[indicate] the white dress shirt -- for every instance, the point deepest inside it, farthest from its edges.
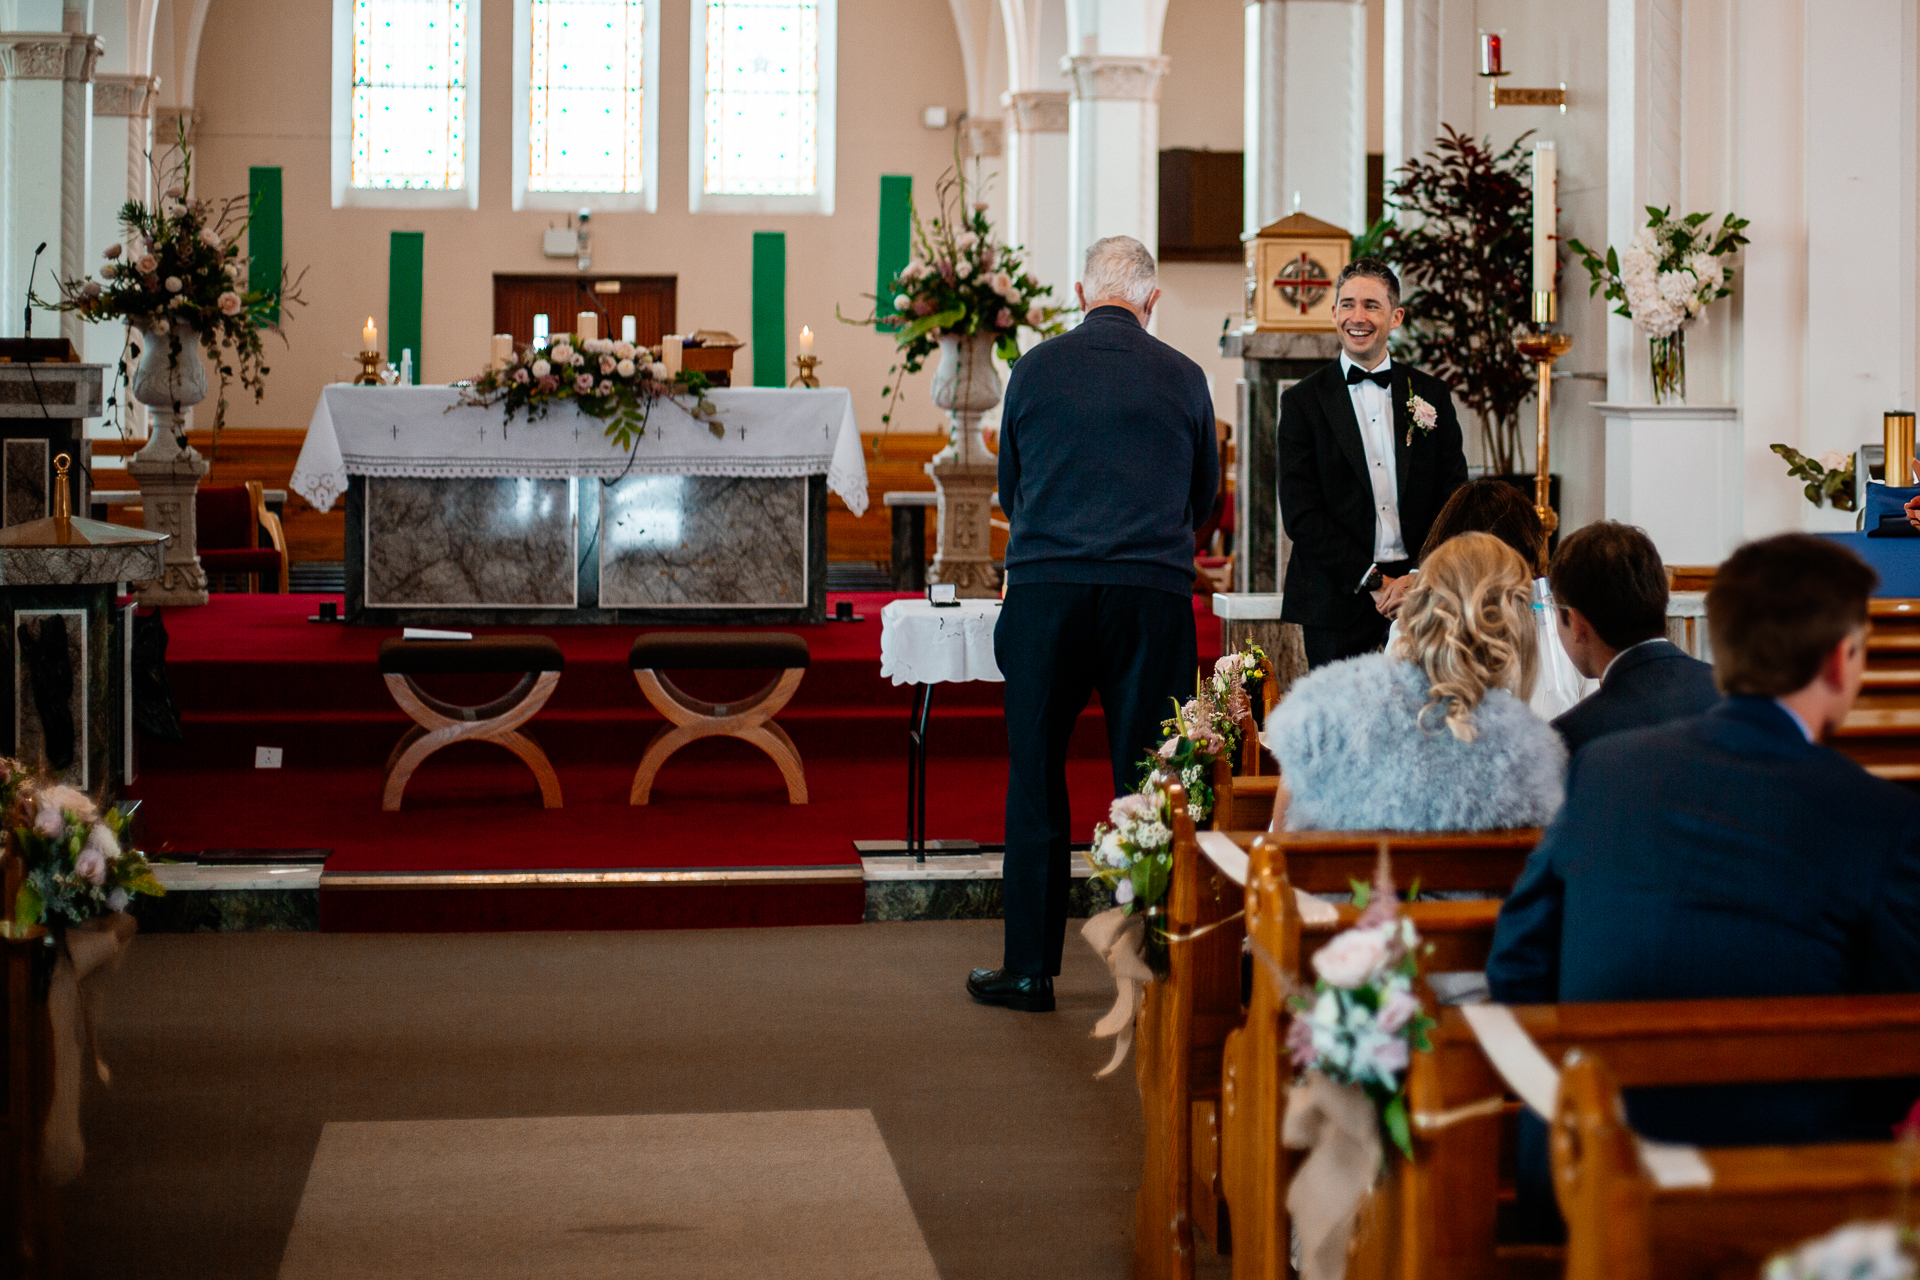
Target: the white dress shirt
(1373, 409)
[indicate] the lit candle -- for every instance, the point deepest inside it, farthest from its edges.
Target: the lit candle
(1545, 197)
(502, 349)
(670, 353)
(586, 326)
(370, 336)
(806, 341)
(1490, 53)
(541, 330)
(629, 329)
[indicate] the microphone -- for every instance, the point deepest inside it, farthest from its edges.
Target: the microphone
(31, 271)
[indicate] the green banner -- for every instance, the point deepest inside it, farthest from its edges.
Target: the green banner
(769, 308)
(263, 233)
(406, 262)
(896, 239)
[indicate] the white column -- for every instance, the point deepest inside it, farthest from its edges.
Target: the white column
(48, 184)
(1429, 75)
(1113, 128)
(1306, 111)
(1037, 182)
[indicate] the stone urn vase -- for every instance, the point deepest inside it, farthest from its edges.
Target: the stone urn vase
(964, 473)
(170, 379)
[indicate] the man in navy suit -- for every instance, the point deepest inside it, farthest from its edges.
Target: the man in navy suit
(1731, 854)
(1611, 591)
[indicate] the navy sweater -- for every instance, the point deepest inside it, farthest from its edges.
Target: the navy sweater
(1108, 461)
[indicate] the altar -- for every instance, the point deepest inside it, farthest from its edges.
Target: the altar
(455, 515)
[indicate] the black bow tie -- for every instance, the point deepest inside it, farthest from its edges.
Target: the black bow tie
(1383, 375)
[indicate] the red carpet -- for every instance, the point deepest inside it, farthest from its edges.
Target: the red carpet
(250, 671)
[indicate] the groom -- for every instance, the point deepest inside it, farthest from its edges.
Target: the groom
(1369, 451)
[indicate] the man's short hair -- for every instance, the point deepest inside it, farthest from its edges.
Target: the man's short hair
(1372, 269)
(1118, 267)
(1612, 574)
(1777, 609)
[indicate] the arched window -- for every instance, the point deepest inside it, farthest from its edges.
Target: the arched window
(406, 78)
(763, 104)
(585, 111)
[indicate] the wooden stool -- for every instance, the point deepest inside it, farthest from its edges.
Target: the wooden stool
(750, 719)
(443, 723)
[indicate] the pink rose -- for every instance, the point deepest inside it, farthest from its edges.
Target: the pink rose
(1351, 957)
(606, 386)
(1300, 1043)
(111, 252)
(1230, 665)
(922, 307)
(229, 303)
(1397, 1011)
(520, 376)
(548, 383)
(607, 364)
(1004, 320)
(583, 383)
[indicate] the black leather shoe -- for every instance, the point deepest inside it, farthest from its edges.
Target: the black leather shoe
(1011, 990)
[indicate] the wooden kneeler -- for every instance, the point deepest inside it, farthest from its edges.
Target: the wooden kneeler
(441, 724)
(689, 719)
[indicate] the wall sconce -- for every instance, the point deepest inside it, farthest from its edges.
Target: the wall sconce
(1492, 72)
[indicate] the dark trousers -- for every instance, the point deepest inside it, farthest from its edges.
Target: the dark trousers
(1057, 643)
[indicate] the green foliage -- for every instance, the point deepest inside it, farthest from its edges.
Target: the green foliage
(1826, 486)
(1461, 236)
(623, 400)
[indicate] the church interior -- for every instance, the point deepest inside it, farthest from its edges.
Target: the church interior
(528, 595)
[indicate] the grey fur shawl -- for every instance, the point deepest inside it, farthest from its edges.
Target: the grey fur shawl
(1354, 756)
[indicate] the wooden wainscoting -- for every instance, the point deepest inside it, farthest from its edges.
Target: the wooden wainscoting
(247, 453)
(895, 462)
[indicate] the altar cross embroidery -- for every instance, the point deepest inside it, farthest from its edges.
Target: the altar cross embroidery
(743, 434)
(396, 431)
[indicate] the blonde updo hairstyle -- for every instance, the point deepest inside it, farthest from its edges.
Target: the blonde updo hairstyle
(1467, 622)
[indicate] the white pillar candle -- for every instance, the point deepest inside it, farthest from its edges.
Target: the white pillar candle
(502, 349)
(586, 326)
(629, 329)
(806, 340)
(370, 336)
(542, 329)
(670, 353)
(1545, 198)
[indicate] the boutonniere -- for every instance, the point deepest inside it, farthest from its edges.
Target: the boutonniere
(1423, 415)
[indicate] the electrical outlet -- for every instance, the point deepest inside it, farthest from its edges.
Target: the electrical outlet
(267, 757)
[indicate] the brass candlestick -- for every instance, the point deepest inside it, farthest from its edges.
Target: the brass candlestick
(806, 365)
(1897, 437)
(370, 362)
(1543, 348)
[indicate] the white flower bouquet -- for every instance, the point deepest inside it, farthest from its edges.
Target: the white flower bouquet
(1856, 1251)
(1670, 271)
(1133, 849)
(614, 381)
(1362, 1020)
(77, 865)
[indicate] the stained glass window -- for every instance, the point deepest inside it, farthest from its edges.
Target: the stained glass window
(585, 95)
(762, 97)
(409, 94)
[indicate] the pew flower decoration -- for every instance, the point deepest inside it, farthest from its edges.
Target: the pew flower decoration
(960, 282)
(75, 857)
(614, 381)
(1133, 849)
(1663, 281)
(1211, 725)
(1362, 1020)
(1856, 1251)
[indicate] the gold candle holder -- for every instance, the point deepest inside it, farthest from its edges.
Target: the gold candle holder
(370, 362)
(1543, 349)
(806, 365)
(1896, 429)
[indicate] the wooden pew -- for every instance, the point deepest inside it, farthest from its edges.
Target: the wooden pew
(1446, 1198)
(1186, 1019)
(1623, 1225)
(1882, 732)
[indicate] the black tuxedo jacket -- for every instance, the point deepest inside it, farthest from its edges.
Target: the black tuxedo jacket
(1326, 500)
(1648, 684)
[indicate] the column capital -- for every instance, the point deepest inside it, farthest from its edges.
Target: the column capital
(984, 136)
(1111, 76)
(173, 125)
(49, 55)
(1037, 110)
(123, 95)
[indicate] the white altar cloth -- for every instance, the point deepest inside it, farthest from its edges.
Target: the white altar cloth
(425, 431)
(920, 644)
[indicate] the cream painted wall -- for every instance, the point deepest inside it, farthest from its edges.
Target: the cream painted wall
(263, 99)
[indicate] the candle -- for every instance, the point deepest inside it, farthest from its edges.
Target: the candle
(1545, 197)
(541, 330)
(806, 340)
(670, 353)
(502, 349)
(629, 329)
(1490, 54)
(586, 326)
(370, 336)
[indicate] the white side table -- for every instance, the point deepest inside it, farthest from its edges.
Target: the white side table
(923, 646)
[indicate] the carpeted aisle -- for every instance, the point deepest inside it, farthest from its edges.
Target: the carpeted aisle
(232, 1055)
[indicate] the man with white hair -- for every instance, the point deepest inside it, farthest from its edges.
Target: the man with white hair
(1108, 464)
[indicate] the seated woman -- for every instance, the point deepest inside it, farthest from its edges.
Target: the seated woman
(1498, 508)
(1433, 734)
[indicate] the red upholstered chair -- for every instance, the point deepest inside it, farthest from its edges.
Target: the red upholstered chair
(227, 524)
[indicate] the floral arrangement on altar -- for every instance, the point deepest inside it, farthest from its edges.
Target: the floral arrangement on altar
(1856, 1251)
(614, 381)
(1362, 1021)
(77, 867)
(1829, 477)
(1133, 849)
(180, 277)
(960, 282)
(1663, 282)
